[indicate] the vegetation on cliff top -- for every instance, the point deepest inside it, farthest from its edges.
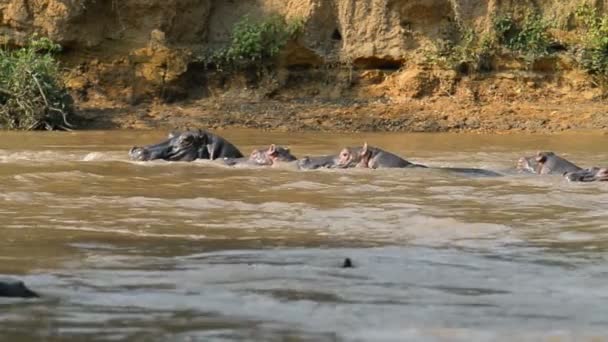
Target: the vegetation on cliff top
(527, 38)
(32, 95)
(254, 43)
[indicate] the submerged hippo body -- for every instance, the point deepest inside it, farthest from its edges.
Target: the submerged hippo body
(187, 146)
(318, 162)
(594, 174)
(546, 163)
(263, 157)
(15, 288)
(468, 171)
(371, 157)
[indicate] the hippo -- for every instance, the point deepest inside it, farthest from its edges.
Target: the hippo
(187, 146)
(470, 171)
(256, 158)
(264, 157)
(546, 163)
(374, 158)
(278, 154)
(319, 162)
(15, 288)
(592, 174)
(371, 157)
(347, 263)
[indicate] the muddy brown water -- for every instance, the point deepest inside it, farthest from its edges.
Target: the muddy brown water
(149, 251)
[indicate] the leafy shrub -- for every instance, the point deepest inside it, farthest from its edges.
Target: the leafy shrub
(255, 42)
(530, 37)
(594, 52)
(467, 54)
(32, 95)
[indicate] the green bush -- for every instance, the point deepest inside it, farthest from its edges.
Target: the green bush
(468, 53)
(32, 95)
(255, 42)
(529, 37)
(594, 52)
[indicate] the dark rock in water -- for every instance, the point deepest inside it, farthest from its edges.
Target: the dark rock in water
(347, 263)
(15, 288)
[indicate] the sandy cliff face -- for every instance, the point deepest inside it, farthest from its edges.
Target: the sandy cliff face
(136, 50)
(91, 23)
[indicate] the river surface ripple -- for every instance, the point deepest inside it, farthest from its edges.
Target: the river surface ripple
(161, 251)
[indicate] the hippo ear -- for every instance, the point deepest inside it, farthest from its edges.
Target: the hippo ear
(272, 148)
(203, 137)
(364, 149)
(541, 157)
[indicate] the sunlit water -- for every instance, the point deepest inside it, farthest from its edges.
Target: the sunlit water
(166, 251)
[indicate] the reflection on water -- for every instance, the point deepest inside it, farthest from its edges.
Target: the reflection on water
(198, 251)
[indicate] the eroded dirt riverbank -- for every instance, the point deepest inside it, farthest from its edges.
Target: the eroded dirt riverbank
(428, 115)
(411, 66)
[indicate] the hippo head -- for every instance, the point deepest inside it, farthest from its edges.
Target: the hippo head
(280, 154)
(365, 155)
(271, 155)
(260, 157)
(353, 157)
(184, 146)
(543, 158)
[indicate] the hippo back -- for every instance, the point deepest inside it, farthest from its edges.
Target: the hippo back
(216, 147)
(384, 159)
(318, 162)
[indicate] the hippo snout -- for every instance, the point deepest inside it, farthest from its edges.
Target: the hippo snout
(525, 164)
(15, 288)
(139, 153)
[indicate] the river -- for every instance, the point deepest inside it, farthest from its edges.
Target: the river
(161, 251)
